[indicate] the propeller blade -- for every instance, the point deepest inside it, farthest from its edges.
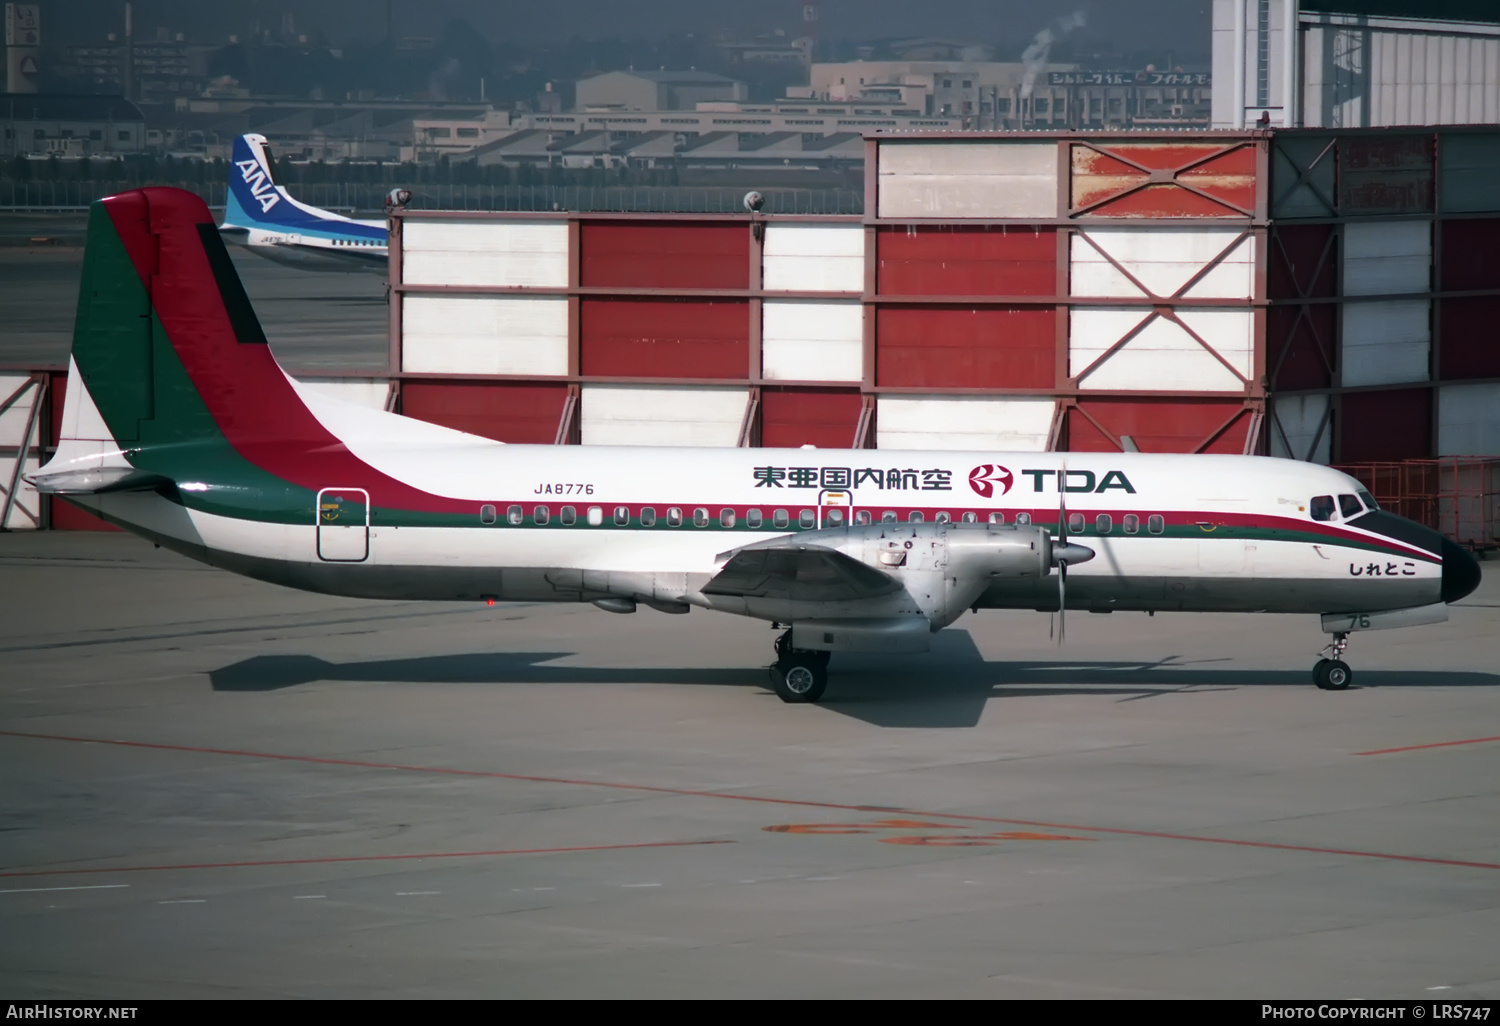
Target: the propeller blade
(1062, 562)
(1062, 602)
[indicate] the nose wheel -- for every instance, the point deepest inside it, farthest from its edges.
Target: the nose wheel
(798, 675)
(1334, 674)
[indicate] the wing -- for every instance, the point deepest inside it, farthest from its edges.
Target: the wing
(808, 573)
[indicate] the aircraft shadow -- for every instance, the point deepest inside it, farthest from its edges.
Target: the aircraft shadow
(947, 687)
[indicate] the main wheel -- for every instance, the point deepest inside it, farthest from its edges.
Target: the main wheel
(1333, 675)
(799, 678)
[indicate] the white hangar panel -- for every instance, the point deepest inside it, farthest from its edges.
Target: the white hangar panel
(967, 179)
(813, 258)
(485, 334)
(513, 253)
(1467, 420)
(26, 511)
(1385, 257)
(661, 415)
(1386, 343)
(1161, 356)
(13, 420)
(810, 341)
(1163, 260)
(1300, 430)
(361, 392)
(963, 422)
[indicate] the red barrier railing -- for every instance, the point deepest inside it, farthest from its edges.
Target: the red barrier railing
(1457, 495)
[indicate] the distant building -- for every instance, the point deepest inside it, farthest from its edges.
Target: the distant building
(165, 67)
(656, 90)
(39, 124)
(1356, 63)
(988, 95)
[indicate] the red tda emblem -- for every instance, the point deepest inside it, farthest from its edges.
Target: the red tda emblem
(983, 479)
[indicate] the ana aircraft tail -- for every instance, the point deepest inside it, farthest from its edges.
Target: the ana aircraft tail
(256, 201)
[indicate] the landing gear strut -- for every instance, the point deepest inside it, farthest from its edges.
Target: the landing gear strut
(1334, 674)
(798, 674)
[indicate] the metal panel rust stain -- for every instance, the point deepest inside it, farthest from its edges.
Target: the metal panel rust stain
(1157, 425)
(965, 260)
(1227, 176)
(966, 347)
(665, 338)
(1385, 174)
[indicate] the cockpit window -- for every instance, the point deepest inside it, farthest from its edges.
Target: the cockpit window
(1322, 507)
(1368, 500)
(1349, 506)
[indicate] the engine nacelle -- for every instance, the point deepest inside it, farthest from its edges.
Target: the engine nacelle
(946, 567)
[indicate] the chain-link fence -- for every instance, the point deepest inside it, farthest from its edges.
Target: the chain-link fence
(40, 197)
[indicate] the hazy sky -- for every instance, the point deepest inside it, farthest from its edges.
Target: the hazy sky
(1115, 24)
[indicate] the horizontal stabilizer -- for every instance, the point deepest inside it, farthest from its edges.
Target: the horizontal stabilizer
(96, 480)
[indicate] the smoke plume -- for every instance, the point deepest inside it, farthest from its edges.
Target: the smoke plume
(1035, 57)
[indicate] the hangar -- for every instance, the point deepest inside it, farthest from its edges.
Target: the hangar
(1315, 293)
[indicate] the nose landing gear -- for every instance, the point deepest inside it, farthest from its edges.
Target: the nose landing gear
(1334, 674)
(798, 675)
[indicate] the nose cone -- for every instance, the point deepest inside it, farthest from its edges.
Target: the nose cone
(1460, 572)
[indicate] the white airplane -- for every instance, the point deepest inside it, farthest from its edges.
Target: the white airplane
(263, 217)
(179, 425)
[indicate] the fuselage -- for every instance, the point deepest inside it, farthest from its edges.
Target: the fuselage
(528, 522)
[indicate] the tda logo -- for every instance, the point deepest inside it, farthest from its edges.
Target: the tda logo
(984, 477)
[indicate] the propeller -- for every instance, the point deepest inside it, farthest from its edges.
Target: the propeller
(1065, 552)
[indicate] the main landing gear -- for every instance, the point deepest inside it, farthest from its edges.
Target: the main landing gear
(798, 675)
(1334, 674)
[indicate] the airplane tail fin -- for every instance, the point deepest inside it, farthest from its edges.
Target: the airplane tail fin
(170, 372)
(256, 201)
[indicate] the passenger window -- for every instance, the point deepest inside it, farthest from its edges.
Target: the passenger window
(486, 514)
(1156, 524)
(1021, 518)
(997, 518)
(888, 517)
(1368, 500)
(752, 519)
(1349, 506)
(780, 518)
(595, 516)
(1132, 523)
(915, 517)
(1075, 523)
(970, 517)
(700, 517)
(674, 517)
(567, 516)
(1322, 507)
(648, 516)
(726, 517)
(835, 518)
(1104, 523)
(862, 517)
(515, 514)
(806, 519)
(622, 516)
(541, 514)
(943, 517)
